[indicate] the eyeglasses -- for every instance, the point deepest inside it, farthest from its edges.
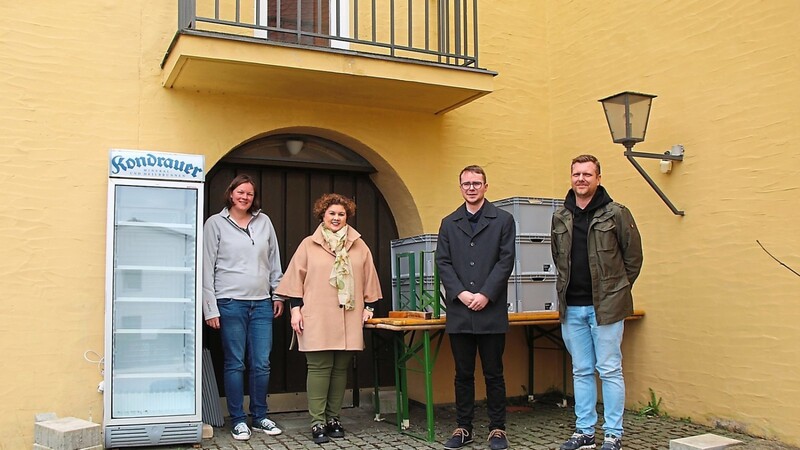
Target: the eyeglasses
(471, 185)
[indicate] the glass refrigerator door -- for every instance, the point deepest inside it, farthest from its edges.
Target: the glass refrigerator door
(154, 304)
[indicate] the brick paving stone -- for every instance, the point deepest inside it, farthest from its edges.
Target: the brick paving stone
(534, 427)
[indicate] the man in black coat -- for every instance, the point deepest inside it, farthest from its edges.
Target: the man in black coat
(475, 256)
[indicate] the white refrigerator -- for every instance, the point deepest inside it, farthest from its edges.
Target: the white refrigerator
(152, 365)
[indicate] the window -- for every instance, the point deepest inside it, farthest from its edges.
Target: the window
(316, 17)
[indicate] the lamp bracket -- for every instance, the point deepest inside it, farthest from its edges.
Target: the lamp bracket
(665, 155)
(675, 154)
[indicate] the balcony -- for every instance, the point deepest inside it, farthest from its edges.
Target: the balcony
(413, 55)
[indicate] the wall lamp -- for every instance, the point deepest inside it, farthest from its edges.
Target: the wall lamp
(627, 114)
(294, 146)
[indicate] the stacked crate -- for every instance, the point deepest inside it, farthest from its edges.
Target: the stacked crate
(532, 286)
(415, 282)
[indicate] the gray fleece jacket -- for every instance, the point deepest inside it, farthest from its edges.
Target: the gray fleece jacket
(239, 263)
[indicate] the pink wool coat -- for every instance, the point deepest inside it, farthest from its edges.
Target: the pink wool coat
(326, 326)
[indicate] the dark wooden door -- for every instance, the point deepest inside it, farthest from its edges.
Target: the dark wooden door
(287, 196)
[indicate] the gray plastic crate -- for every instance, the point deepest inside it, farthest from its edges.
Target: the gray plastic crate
(533, 254)
(414, 244)
(533, 215)
(532, 292)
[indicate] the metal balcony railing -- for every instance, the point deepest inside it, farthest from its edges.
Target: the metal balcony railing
(441, 32)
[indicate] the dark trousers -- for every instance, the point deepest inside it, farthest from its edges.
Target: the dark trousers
(490, 347)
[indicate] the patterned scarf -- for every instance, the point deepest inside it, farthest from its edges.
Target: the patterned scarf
(342, 271)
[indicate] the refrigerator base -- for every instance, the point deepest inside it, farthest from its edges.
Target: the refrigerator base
(153, 434)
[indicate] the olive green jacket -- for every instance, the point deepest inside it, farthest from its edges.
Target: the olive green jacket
(615, 259)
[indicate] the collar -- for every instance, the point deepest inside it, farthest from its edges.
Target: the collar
(227, 214)
(488, 210)
(318, 238)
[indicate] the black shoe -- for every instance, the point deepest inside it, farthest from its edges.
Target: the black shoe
(461, 437)
(579, 441)
(334, 428)
(611, 442)
(497, 439)
(319, 434)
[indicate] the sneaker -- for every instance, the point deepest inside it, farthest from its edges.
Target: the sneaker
(334, 428)
(319, 434)
(241, 432)
(461, 437)
(579, 441)
(267, 426)
(497, 439)
(611, 442)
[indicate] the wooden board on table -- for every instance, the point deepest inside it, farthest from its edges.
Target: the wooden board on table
(410, 315)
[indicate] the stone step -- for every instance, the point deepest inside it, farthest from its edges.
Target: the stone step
(68, 433)
(706, 441)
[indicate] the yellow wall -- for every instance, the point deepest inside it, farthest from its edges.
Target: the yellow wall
(719, 339)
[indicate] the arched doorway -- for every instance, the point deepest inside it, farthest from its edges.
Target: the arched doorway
(290, 181)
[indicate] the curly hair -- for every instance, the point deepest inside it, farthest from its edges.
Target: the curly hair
(327, 200)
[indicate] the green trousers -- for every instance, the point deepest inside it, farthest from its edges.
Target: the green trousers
(326, 382)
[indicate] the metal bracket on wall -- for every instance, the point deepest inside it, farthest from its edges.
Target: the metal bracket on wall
(676, 154)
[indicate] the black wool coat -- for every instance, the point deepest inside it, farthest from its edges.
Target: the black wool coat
(476, 262)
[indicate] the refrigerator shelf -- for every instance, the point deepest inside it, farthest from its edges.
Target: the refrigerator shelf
(152, 375)
(170, 225)
(157, 268)
(157, 230)
(152, 331)
(154, 300)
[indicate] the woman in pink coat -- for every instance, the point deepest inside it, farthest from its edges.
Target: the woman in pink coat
(332, 286)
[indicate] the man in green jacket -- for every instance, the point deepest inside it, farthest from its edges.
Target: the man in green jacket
(598, 252)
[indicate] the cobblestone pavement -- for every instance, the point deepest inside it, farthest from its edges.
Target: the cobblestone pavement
(537, 427)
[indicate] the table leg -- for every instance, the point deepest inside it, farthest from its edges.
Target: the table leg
(401, 380)
(407, 347)
(534, 332)
(428, 367)
(376, 399)
(529, 337)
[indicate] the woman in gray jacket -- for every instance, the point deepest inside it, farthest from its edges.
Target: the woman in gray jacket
(241, 268)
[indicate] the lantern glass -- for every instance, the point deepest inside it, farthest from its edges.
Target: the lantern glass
(627, 114)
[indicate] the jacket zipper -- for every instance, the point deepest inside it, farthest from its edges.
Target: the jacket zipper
(243, 230)
(569, 260)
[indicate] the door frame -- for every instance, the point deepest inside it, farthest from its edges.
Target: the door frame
(265, 157)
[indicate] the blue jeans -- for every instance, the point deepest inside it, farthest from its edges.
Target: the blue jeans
(246, 331)
(595, 347)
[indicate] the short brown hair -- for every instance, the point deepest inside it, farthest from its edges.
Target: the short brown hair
(327, 200)
(474, 169)
(585, 159)
(238, 181)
